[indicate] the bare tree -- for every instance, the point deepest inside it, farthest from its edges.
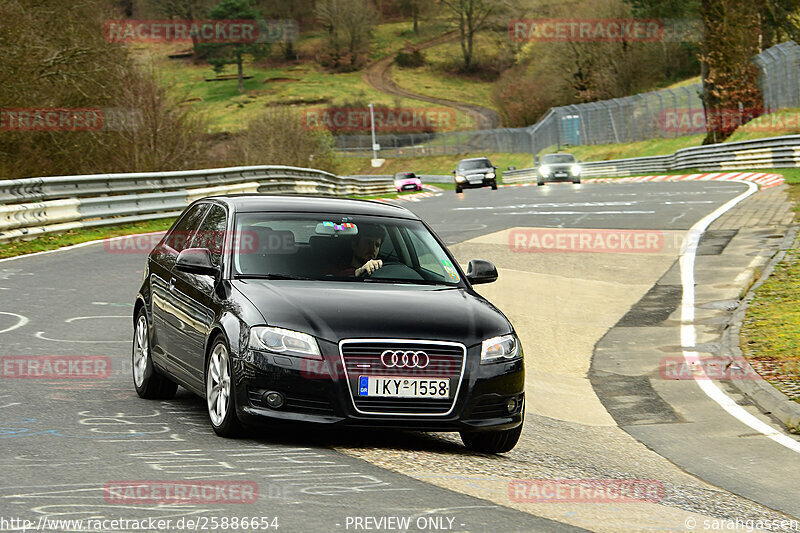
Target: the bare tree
(470, 17)
(349, 24)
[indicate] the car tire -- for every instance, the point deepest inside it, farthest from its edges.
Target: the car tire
(576, 181)
(540, 182)
(148, 382)
(494, 185)
(220, 397)
(459, 190)
(492, 441)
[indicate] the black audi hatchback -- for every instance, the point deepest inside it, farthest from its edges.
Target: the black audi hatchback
(330, 311)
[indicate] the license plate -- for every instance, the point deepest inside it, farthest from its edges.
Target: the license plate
(378, 386)
(560, 174)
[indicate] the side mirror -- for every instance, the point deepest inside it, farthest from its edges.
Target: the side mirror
(452, 172)
(196, 261)
(512, 168)
(494, 167)
(536, 160)
(480, 271)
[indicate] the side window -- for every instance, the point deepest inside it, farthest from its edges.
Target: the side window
(178, 239)
(211, 233)
(425, 256)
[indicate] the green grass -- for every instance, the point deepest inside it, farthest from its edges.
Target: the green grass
(54, 241)
(601, 152)
(771, 329)
(304, 85)
(783, 122)
(391, 37)
(436, 78)
(430, 81)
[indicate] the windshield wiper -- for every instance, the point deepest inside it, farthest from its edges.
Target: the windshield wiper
(270, 276)
(405, 281)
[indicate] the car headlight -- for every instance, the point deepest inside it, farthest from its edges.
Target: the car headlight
(490, 175)
(576, 169)
(544, 170)
(460, 178)
(284, 341)
(500, 349)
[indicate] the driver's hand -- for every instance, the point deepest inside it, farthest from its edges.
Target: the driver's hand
(369, 267)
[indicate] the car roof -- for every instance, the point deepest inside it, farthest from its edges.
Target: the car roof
(251, 203)
(473, 159)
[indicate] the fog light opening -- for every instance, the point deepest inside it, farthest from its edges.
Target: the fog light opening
(274, 400)
(511, 405)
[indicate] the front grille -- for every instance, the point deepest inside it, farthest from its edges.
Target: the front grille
(363, 358)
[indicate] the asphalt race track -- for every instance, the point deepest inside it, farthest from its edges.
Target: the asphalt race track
(65, 442)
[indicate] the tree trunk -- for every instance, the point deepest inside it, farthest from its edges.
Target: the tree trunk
(240, 73)
(466, 53)
(415, 14)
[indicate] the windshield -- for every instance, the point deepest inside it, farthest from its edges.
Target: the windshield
(474, 165)
(337, 248)
(557, 158)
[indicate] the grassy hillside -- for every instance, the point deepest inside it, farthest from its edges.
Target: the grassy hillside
(436, 77)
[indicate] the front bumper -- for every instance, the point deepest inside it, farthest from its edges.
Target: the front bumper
(563, 175)
(317, 392)
(408, 187)
(485, 182)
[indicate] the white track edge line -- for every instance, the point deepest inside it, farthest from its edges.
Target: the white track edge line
(688, 333)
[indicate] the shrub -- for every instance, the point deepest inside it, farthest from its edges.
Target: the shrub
(413, 59)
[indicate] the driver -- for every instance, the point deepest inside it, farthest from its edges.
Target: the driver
(365, 247)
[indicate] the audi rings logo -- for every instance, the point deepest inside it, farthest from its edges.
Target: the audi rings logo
(404, 359)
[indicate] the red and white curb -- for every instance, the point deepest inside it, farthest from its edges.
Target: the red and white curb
(765, 180)
(430, 190)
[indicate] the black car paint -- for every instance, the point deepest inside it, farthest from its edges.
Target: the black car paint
(200, 307)
(475, 173)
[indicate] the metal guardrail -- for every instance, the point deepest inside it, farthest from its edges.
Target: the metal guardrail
(773, 152)
(33, 206)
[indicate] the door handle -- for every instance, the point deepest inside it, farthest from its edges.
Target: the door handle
(172, 284)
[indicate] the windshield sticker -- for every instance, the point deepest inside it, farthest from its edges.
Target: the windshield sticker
(451, 270)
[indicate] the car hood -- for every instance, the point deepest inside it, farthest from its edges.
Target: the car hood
(475, 171)
(341, 310)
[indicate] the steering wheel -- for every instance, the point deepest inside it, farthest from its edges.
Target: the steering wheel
(396, 270)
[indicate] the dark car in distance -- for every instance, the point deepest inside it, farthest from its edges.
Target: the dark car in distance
(258, 304)
(475, 173)
(558, 167)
